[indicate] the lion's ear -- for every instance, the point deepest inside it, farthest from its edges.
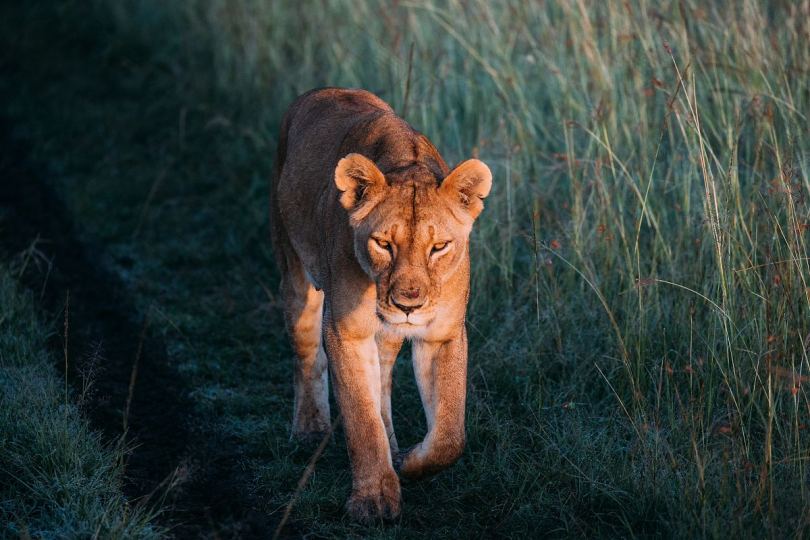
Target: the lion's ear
(469, 183)
(359, 179)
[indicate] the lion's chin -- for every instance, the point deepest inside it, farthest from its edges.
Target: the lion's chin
(405, 322)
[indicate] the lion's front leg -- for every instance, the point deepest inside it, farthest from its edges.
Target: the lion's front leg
(355, 367)
(441, 374)
(388, 345)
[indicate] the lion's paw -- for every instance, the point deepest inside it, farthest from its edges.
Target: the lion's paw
(376, 504)
(399, 458)
(310, 429)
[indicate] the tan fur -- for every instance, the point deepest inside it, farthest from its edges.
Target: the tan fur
(371, 232)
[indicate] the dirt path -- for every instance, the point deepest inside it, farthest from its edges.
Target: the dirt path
(211, 497)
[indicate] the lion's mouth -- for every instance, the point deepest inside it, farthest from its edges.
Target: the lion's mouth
(397, 317)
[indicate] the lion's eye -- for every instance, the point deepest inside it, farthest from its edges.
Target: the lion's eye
(439, 246)
(384, 244)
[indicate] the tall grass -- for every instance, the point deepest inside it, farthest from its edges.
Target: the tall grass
(639, 319)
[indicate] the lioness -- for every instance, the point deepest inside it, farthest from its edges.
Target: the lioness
(371, 232)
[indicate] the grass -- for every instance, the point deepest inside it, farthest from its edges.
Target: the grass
(57, 479)
(639, 319)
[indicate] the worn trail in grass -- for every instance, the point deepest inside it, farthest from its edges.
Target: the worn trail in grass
(120, 368)
(144, 306)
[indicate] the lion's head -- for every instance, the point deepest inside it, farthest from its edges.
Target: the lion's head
(410, 232)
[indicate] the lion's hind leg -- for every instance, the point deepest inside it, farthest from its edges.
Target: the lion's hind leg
(303, 311)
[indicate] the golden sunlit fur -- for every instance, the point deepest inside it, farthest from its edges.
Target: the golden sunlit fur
(371, 231)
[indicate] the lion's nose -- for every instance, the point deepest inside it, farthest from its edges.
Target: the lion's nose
(408, 299)
(410, 294)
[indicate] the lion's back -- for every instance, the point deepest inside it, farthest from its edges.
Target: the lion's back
(324, 116)
(315, 126)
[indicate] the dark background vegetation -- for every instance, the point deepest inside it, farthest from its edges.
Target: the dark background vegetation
(639, 319)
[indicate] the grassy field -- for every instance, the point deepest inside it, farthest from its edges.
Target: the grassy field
(57, 480)
(640, 317)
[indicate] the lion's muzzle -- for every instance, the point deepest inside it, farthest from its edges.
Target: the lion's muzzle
(408, 300)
